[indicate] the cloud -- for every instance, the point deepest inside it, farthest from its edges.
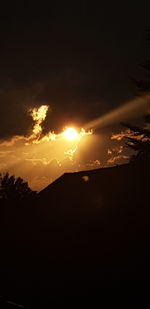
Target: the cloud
(93, 163)
(38, 182)
(38, 156)
(118, 150)
(38, 115)
(117, 159)
(121, 135)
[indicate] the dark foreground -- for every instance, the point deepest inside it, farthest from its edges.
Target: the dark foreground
(80, 242)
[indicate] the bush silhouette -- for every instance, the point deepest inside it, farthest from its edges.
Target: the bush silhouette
(12, 188)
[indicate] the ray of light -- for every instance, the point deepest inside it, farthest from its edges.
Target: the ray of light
(132, 109)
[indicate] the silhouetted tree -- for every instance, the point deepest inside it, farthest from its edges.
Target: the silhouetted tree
(139, 140)
(143, 85)
(140, 137)
(12, 188)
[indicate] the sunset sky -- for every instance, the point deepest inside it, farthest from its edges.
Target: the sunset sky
(77, 60)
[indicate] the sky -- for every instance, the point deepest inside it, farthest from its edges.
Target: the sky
(76, 59)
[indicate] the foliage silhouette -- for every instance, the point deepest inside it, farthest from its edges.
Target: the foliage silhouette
(139, 140)
(143, 85)
(140, 137)
(12, 188)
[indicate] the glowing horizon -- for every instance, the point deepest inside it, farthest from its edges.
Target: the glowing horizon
(41, 158)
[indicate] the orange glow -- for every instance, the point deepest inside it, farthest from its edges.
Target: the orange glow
(41, 158)
(70, 134)
(38, 115)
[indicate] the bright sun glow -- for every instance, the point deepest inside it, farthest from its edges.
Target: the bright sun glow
(70, 134)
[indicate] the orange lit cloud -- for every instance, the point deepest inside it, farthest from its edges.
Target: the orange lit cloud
(38, 115)
(121, 135)
(117, 159)
(39, 158)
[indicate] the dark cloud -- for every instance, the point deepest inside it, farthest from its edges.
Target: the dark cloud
(75, 58)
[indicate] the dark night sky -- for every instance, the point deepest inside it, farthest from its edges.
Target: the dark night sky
(76, 58)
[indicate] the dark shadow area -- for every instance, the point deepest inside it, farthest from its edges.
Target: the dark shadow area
(82, 240)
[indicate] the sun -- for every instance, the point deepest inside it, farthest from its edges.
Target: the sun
(70, 134)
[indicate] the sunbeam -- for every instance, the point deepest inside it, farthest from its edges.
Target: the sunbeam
(132, 109)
